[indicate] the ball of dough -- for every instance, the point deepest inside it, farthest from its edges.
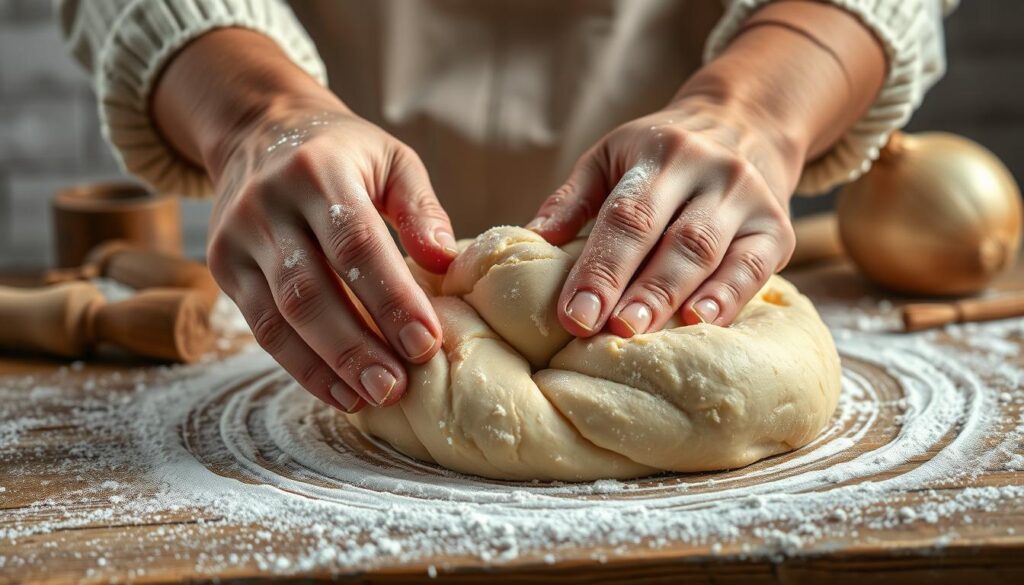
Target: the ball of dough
(512, 395)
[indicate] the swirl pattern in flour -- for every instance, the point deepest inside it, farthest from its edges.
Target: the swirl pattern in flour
(902, 422)
(514, 396)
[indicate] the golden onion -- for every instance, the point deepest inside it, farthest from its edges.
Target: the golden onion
(937, 214)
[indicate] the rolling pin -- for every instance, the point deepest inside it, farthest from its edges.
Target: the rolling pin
(817, 239)
(918, 316)
(72, 319)
(142, 269)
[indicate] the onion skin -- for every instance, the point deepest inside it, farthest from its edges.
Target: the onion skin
(936, 215)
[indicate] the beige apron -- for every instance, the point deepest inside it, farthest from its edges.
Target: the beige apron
(499, 97)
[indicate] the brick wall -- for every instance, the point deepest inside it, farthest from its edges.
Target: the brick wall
(50, 137)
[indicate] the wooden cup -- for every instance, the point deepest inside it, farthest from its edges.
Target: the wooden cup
(86, 215)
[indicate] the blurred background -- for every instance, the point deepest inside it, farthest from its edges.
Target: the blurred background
(50, 136)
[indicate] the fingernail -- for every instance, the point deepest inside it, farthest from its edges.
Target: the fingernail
(378, 383)
(636, 316)
(447, 241)
(416, 339)
(345, 396)
(706, 310)
(584, 309)
(536, 223)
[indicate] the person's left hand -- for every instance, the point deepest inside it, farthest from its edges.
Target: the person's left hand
(692, 208)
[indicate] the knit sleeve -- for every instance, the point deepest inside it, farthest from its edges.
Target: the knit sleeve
(124, 44)
(912, 36)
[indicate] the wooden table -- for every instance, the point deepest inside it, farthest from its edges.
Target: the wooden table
(39, 466)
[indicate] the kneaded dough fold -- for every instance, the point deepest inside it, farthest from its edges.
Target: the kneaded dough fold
(514, 396)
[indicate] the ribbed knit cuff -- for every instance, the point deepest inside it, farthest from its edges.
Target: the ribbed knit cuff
(912, 39)
(145, 36)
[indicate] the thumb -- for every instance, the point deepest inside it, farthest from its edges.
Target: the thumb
(413, 209)
(572, 205)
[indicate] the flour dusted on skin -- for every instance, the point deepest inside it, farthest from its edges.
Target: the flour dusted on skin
(295, 258)
(339, 509)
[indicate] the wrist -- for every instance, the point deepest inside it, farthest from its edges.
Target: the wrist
(810, 70)
(764, 132)
(220, 86)
(756, 106)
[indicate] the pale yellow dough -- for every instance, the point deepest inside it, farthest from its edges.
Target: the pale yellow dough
(514, 396)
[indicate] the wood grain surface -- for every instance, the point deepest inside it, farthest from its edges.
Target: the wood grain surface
(40, 465)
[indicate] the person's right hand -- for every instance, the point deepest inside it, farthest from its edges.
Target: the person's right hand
(302, 187)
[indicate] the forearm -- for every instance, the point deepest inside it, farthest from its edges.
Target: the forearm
(808, 70)
(221, 82)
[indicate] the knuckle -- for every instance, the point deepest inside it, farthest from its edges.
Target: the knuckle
(248, 202)
(305, 161)
(358, 244)
(311, 375)
(390, 302)
(753, 266)
(786, 238)
(600, 274)
(349, 360)
(217, 254)
(423, 208)
(660, 291)
(560, 197)
(269, 329)
(740, 172)
(730, 291)
(633, 216)
(299, 300)
(673, 140)
(697, 242)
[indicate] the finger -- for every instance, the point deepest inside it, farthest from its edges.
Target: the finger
(311, 299)
(360, 250)
(572, 205)
(690, 249)
(277, 337)
(749, 263)
(628, 226)
(412, 207)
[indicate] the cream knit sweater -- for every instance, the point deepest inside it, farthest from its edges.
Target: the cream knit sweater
(125, 43)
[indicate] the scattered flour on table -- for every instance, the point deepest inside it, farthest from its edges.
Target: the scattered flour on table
(338, 511)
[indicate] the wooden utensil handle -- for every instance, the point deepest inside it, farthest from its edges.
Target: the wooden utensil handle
(142, 269)
(55, 320)
(817, 239)
(167, 324)
(989, 309)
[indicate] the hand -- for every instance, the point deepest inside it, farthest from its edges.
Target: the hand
(299, 212)
(297, 237)
(697, 218)
(691, 202)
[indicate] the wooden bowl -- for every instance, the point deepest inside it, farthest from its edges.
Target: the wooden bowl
(87, 215)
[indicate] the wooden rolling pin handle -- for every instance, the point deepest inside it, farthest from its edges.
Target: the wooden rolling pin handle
(145, 269)
(817, 239)
(55, 320)
(918, 316)
(167, 324)
(59, 275)
(990, 309)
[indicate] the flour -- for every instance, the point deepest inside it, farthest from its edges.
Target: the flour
(339, 214)
(236, 441)
(295, 258)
